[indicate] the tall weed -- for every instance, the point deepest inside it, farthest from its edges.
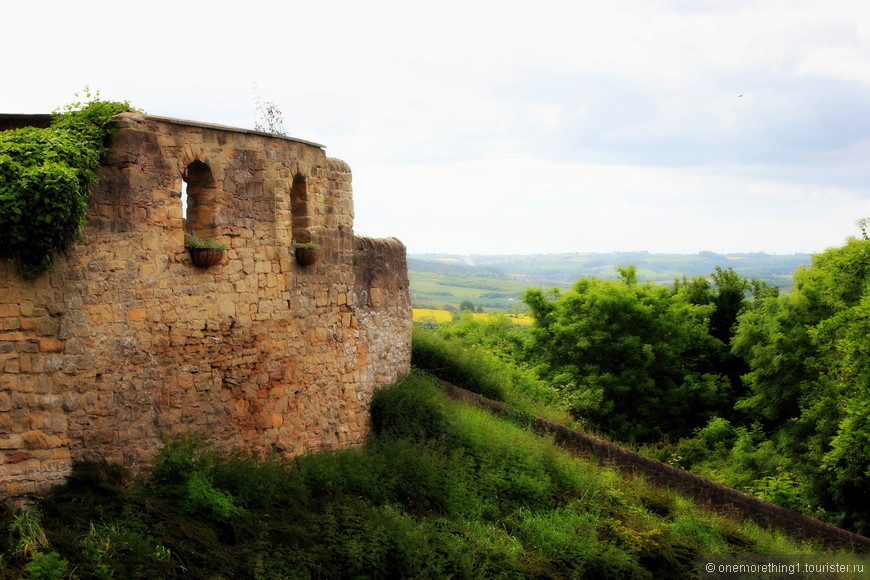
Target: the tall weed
(26, 526)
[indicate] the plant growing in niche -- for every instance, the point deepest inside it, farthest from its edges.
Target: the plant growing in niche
(193, 242)
(46, 176)
(307, 253)
(204, 252)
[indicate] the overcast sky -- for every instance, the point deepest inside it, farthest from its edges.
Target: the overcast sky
(510, 127)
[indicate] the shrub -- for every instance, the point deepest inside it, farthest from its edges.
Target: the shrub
(46, 566)
(186, 470)
(257, 482)
(635, 360)
(411, 408)
(45, 178)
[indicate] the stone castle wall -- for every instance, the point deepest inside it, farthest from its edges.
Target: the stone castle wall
(126, 342)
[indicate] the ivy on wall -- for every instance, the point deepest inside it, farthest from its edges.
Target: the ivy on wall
(45, 179)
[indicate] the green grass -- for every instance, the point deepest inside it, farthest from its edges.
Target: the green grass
(463, 362)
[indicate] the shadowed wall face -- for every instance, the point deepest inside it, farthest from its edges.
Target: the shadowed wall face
(127, 342)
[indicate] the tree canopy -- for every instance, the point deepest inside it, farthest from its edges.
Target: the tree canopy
(809, 379)
(633, 359)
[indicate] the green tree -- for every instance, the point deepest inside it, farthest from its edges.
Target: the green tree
(496, 334)
(729, 295)
(633, 359)
(809, 376)
(776, 338)
(841, 444)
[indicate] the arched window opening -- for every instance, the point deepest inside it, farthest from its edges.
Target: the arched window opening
(198, 199)
(301, 220)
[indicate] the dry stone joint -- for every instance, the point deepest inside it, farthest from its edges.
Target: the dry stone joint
(126, 343)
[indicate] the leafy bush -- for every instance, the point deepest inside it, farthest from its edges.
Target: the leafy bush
(46, 566)
(496, 334)
(45, 178)
(807, 386)
(636, 360)
(186, 468)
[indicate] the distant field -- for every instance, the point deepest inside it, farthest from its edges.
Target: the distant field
(496, 283)
(438, 291)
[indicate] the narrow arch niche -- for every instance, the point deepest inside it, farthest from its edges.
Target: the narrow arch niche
(199, 199)
(299, 208)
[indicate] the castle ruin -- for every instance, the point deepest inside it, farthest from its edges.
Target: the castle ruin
(126, 342)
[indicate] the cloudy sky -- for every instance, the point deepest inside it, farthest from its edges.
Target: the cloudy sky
(510, 127)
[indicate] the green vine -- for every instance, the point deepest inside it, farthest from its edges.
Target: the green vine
(45, 179)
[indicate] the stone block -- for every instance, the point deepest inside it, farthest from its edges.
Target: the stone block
(10, 441)
(226, 308)
(28, 309)
(17, 456)
(47, 344)
(9, 310)
(55, 308)
(35, 440)
(20, 488)
(47, 327)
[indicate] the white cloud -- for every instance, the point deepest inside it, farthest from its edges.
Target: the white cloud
(525, 204)
(841, 62)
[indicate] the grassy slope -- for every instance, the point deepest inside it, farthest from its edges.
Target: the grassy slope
(442, 490)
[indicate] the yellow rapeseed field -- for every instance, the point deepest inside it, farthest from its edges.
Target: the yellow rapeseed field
(431, 315)
(515, 318)
(441, 316)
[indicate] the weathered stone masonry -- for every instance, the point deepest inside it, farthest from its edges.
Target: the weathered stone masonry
(126, 342)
